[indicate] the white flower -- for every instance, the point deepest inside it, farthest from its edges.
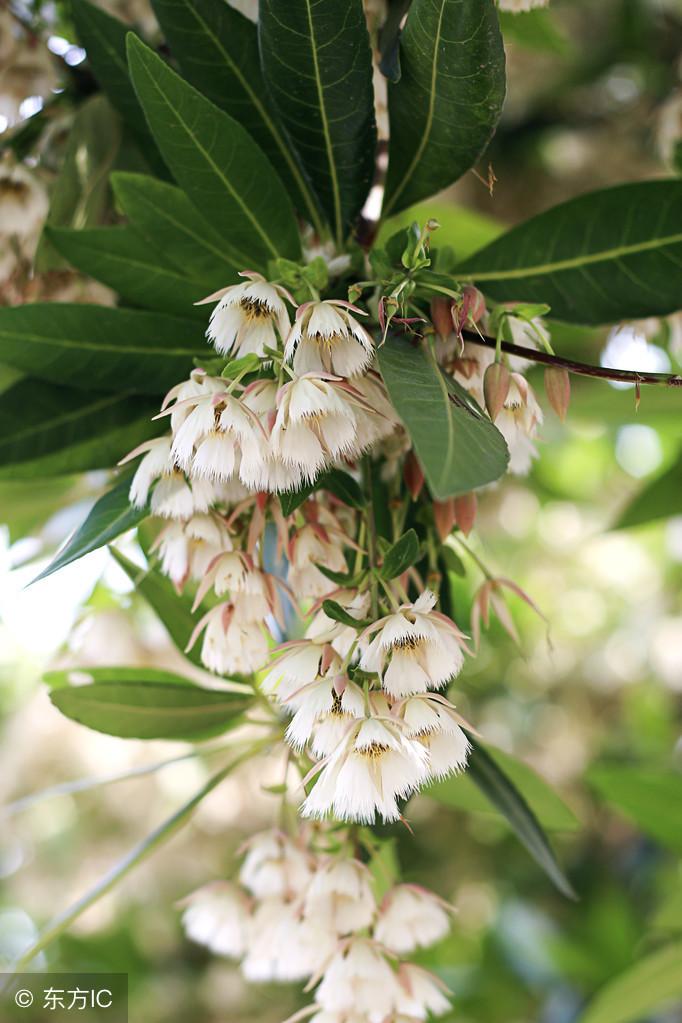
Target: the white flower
(373, 766)
(379, 419)
(275, 867)
(340, 895)
(421, 993)
(324, 629)
(325, 338)
(218, 429)
(414, 649)
(297, 664)
(319, 542)
(179, 399)
(175, 497)
(434, 721)
(518, 422)
(188, 548)
(359, 980)
(324, 709)
(411, 917)
(248, 317)
(217, 916)
(155, 463)
(520, 6)
(283, 945)
(230, 645)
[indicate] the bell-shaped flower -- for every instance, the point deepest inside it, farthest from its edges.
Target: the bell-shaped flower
(218, 916)
(340, 895)
(275, 866)
(248, 316)
(326, 338)
(411, 917)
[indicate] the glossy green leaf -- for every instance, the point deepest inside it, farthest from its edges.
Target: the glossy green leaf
(601, 258)
(217, 49)
(165, 217)
(645, 795)
(507, 799)
(79, 196)
(151, 710)
(93, 347)
(217, 163)
(333, 610)
(446, 105)
(110, 516)
(457, 446)
(460, 791)
(658, 499)
(317, 65)
(104, 38)
(39, 420)
(174, 612)
(654, 983)
(336, 481)
(401, 555)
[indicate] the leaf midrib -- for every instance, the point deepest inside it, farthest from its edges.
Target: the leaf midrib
(59, 420)
(62, 342)
(575, 262)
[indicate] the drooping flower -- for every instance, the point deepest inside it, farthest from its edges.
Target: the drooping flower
(433, 720)
(359, 982)
(518, 422)
(275, 866)
(411, 917)
(319, 542)
(215, 434)
(230, 644)
(323, 629)
(284, 945)
(217, 916)
(421, 993)
(413, 649)
(323, 711)
(297, 664)
(188, 548)
(340, 896)
(326, 338)
(248, 316)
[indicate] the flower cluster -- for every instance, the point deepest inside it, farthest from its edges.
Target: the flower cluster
(297, 914)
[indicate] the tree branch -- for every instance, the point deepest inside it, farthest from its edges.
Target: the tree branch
(581, 368)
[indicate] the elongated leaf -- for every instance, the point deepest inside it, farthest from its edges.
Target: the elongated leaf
(317, 66)
(446, 105)
(217, 50)
(645, 796)
(124, 261)
(104, 38)
(39, 419)
(457, 446)
(460, 792)
(81, 676)
(658, 499)
(401, 555)
(601, 258)
(92, 347)
(174, 612)
(137, 855)
(340, 484)
(165, 217)
(508, 800)
(151, 710)
(217, 163)
(79, 196)
(333, 610)
(112, 515)
(654, 983)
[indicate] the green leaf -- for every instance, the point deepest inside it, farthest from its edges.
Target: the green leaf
(645, 795)
(658, 499)
(401, 555)
(217, 50)
(460, 792)
(534, 30)
(151, 710)
(451, 561)
(174, 612)
(457, 446)
(93, 347)
(82, 676)
(339, 614)
(337, 482)
(79, 197)
(216, 162)
(110, 516)
(38, 420)
(446, 105)
(601, 258)
(498, 788)
(165, 217)
(654, 983)
(104, 39)
(317, 65)
(122, 260)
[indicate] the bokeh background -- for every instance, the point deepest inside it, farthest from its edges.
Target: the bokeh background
(590, 698)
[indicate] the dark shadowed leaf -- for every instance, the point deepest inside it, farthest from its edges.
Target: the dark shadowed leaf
(217, 49)
(457, 446)
(601, 258)
(125, 262)
(165, 217)
(317, 65)
(659, 499)
(217, 163)
(110, 516)
(93, 347)
(445, 106)
(401, 555)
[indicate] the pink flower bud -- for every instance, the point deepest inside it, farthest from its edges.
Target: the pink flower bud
(441, 316)
(413, 475)
(473, 304)
(466, 507)
(496, 383)
(444, 516)
(558, 389)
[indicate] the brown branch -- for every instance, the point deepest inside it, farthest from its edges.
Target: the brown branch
(581, 368)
